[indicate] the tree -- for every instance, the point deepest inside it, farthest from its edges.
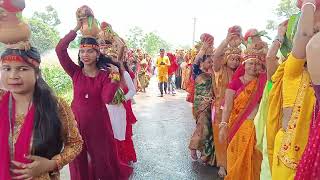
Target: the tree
(153, 42)
(50, 16)
(271, 25)
(285, 9)
(135, 38)
(165, 45)
(43, 36)
(75, 43)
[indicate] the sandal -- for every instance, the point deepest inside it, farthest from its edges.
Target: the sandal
(204, 160)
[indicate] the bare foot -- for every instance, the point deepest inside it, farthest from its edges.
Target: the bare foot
(222, 172)
(204, 160)
(194, 155)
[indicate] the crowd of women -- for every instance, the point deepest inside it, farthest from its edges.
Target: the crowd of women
(256, 110)
(40, 133)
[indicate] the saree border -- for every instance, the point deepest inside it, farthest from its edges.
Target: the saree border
(292, 124)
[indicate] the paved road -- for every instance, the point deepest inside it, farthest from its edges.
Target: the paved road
(161, 138)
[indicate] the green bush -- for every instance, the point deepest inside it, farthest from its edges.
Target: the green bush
(59, 81)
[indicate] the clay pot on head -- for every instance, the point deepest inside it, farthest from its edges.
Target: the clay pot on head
(250, 33)
(205, 37)
(12, 29)
(89, 23)
(90, 27)
(106, 33)
(13, 5)
(235, 30)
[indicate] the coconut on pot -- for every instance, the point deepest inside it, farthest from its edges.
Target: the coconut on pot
(89, 23)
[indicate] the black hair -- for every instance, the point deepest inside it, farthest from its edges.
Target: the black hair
(196, 70)
(105, 61)
(126, 66)
(32, 53)
(47, 131)
(47, 141)
(202, 59)
(102, 61)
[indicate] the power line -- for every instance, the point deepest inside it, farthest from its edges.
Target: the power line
(194, 30)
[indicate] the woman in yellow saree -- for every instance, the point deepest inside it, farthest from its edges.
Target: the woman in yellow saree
(291, 104)
(260, 120)
(241, 102)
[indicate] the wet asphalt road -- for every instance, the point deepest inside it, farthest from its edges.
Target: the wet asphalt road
(161, 138)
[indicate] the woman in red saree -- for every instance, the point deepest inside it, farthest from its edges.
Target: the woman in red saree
(126, 148)
(241, 102)
(120, 110)
(38, 132)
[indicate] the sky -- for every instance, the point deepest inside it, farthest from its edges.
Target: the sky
(171, 19)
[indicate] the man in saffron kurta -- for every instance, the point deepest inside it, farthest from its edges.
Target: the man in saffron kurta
(163, 64)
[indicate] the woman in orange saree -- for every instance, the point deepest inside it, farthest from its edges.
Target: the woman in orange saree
(242, 99)
(226, 60)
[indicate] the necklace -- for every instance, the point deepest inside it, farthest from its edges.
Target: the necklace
(15, 125)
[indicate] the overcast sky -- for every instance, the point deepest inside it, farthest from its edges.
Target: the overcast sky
(172, 19)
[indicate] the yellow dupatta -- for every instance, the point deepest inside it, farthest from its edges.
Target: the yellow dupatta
(295, 138)
(273, 118)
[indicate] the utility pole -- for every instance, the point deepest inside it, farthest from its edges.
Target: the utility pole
(194, 31)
